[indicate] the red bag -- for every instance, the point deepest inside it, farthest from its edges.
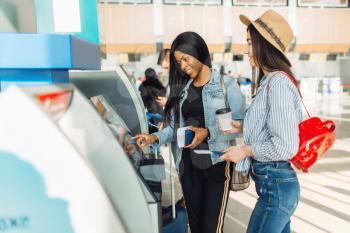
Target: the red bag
(315, 138)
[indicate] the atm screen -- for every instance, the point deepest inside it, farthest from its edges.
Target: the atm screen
(132, 150)
(118, 127)
(120, 91)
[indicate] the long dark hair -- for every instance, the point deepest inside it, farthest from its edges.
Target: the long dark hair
(192, 44)
(267, 57)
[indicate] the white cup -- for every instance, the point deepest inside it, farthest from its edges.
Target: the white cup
(224, 117)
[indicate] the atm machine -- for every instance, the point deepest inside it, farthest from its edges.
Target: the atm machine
(62, 169)
(127, 103)
(46, 184)
(48, 126)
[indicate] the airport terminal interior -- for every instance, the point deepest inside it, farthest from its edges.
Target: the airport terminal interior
(71, 103)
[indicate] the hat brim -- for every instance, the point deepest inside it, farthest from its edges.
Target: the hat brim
(246, 21)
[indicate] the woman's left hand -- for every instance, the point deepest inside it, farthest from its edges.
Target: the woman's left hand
(236, 153)
(237, 127)
(199, 135)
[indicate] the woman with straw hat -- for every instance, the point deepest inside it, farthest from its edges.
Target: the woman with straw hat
(270, 130)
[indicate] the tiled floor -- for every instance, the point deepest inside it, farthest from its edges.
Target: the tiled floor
(325, 190)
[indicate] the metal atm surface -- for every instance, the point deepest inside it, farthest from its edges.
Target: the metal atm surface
(47, 186)
(86, 132)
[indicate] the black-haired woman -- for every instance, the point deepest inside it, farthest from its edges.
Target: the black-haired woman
(271, 133)
(150, 89)
(195, 95)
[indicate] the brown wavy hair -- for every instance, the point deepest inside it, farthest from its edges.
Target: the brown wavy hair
(267, 57)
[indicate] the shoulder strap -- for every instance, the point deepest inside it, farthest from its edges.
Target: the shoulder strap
(222, 83)
(285, 74)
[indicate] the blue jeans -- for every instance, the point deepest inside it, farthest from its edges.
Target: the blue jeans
(278, 189)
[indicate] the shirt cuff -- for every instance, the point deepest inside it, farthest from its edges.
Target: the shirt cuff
(216, 160)
(158, 143)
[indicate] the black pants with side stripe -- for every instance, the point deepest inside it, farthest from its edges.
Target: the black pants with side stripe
(206, 194)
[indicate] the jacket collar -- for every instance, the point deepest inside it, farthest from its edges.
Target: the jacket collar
(215, 79)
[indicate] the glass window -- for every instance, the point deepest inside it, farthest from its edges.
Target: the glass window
(261, 2)
(194, 2)
(324, 3)
(127, 1)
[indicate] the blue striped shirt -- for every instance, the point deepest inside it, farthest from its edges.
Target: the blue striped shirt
(271, 122)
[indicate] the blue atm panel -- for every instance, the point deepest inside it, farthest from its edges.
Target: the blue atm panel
(33, 59)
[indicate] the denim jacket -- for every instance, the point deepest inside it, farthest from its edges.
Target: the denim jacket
(213, 99)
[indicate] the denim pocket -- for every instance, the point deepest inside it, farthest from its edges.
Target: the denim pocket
(259, 171)
(216, 93)
(288, 194)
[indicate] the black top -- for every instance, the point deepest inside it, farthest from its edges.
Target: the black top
(150, 89)
(193, 113)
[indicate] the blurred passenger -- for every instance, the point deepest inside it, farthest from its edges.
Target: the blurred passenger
(150, 89)
(271, 133)
(195, 95)
(164, 62)
(164, 59)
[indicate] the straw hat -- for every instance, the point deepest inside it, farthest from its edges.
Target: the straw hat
(273, 27)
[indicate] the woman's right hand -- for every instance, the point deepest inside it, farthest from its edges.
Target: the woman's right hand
(237, 127)
(161, 101)
(143, 140)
